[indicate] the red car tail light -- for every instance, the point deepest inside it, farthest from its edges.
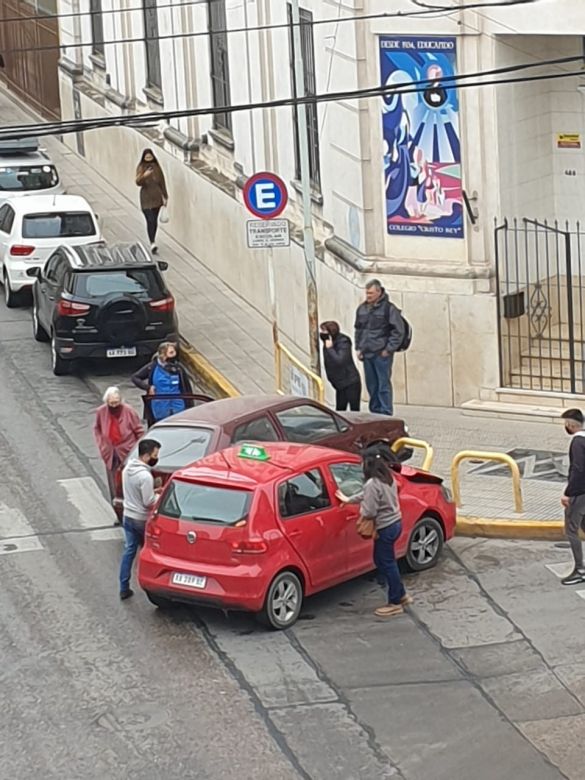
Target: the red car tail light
(166, 304)
(152, 533)
(19, 250)
(66, 308)
(250, 547)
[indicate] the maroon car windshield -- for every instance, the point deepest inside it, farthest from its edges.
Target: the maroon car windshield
(180, 446)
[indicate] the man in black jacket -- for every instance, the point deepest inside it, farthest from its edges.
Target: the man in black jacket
(379, 333)
(339, 366)
(574, 497)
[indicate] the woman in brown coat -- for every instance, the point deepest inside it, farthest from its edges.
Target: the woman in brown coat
(153, 193)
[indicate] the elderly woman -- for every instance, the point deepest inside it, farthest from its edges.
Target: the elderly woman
(116, 430)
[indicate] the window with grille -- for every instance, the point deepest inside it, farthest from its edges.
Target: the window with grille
(97, 27)
(312, 126)
(220, 67)
(151, 40)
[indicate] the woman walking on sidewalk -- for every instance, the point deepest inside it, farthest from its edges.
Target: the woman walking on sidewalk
(153, 193)
(379, 502)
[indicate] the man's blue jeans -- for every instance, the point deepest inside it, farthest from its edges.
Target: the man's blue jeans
(385, 561)
(378, 371)
(134, 538)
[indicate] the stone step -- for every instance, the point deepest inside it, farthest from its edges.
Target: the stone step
(515, 411)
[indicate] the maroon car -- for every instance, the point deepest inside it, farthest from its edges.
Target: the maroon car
(213, 426)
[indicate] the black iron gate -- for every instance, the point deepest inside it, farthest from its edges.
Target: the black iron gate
(540, 294)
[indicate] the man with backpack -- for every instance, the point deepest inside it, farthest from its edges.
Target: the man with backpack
(380, 331)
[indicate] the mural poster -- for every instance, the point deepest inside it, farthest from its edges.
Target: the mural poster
(422, 152)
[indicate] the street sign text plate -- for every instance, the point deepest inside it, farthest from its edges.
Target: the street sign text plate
(263, 234)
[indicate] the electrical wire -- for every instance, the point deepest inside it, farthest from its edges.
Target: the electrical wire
(234, 30)
(472, 6)
(137, 120)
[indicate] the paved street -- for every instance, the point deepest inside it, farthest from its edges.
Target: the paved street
(481, 679)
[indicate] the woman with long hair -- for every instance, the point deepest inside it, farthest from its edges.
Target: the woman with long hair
(379, 502)
(153, 193)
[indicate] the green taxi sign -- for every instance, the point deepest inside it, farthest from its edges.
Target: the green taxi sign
(253, 452)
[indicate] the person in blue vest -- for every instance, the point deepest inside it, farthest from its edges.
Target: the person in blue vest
(165, 376)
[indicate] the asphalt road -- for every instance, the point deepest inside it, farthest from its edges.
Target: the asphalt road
(482, 680)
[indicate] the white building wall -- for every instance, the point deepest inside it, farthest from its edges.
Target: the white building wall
(444, 285)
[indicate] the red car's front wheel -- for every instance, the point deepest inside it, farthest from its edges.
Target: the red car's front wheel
(425, 544)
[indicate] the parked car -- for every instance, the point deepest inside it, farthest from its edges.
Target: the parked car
(259, 527)
(101, 302)
(31, 228)
(209, 427)
(25, 169)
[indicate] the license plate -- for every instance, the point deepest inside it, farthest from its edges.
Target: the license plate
(189, 580)
(121, 352)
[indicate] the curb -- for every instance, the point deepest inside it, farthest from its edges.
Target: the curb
(214, 382)
(544, 530)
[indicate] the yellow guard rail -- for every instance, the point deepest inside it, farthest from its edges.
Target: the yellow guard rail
(496, 457)
(417, 444)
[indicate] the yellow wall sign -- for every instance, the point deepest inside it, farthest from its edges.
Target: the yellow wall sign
(568, 140)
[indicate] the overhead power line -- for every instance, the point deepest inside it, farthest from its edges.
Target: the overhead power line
(485, 4)
(231, 31)
(136, 120)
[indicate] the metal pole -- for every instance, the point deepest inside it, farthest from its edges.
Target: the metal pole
(272, 290)
(308, 236)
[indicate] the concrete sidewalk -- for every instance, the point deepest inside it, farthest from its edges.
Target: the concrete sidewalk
(236, 341)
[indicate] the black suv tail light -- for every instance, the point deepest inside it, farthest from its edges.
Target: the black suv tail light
(166, 304)
(66, 308)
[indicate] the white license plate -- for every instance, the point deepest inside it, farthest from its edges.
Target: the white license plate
(121, 352)
(189, 580)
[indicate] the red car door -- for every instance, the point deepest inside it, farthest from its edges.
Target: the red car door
(315, 525)
(348, 477)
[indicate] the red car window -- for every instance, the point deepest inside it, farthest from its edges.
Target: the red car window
(349, 477)
(259, 429)
(205, 503)
(302, 494)
(306, 423)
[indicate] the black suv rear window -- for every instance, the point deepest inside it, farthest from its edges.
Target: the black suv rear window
(64, 224)
(143, 284)
(28, 177)
(205, 503)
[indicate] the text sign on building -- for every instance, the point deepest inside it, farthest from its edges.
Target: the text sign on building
(265, 195)
(299, 383)
(267, 234)
(568, 140)
(422, 148)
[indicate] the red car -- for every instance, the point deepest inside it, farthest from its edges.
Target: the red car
(258, 528)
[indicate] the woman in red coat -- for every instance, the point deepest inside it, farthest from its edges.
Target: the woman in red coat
(116, 430)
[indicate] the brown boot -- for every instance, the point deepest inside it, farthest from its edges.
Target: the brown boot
(389, 610)
(406, 600)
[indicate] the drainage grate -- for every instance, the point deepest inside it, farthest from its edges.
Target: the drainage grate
(541, 465)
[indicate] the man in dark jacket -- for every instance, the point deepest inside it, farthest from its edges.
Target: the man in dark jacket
(574, 497)
(379, 333)
(339, 366)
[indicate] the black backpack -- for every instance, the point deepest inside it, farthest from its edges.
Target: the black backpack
(407, 340)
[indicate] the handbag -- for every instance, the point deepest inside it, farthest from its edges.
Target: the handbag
(163, 215)
(366, 527)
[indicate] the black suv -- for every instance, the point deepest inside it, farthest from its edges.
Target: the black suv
(99, 301)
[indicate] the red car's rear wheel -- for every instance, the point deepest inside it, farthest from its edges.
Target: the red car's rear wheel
(283, 601)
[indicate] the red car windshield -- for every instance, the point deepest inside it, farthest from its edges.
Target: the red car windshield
(205, 503)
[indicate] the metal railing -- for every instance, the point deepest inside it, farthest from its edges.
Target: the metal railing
(298, 379)
(417, 444)
(496, 457)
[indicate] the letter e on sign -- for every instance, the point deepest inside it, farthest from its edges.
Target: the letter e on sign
(265, 195)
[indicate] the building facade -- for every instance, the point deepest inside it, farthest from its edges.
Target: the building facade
(404, 187)
(29, 44)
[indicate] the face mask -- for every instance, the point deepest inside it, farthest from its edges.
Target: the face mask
(324, 336)
(173, 360)
(568, 431)
(115, 410)
(152, 462)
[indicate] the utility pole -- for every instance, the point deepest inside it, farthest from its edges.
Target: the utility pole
(308, 235)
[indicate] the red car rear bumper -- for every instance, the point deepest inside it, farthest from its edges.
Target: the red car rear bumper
(240, 587)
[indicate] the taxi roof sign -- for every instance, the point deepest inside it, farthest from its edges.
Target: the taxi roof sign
(253, 452)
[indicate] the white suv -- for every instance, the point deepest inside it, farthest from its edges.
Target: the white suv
(25, 169)
(31, 228)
